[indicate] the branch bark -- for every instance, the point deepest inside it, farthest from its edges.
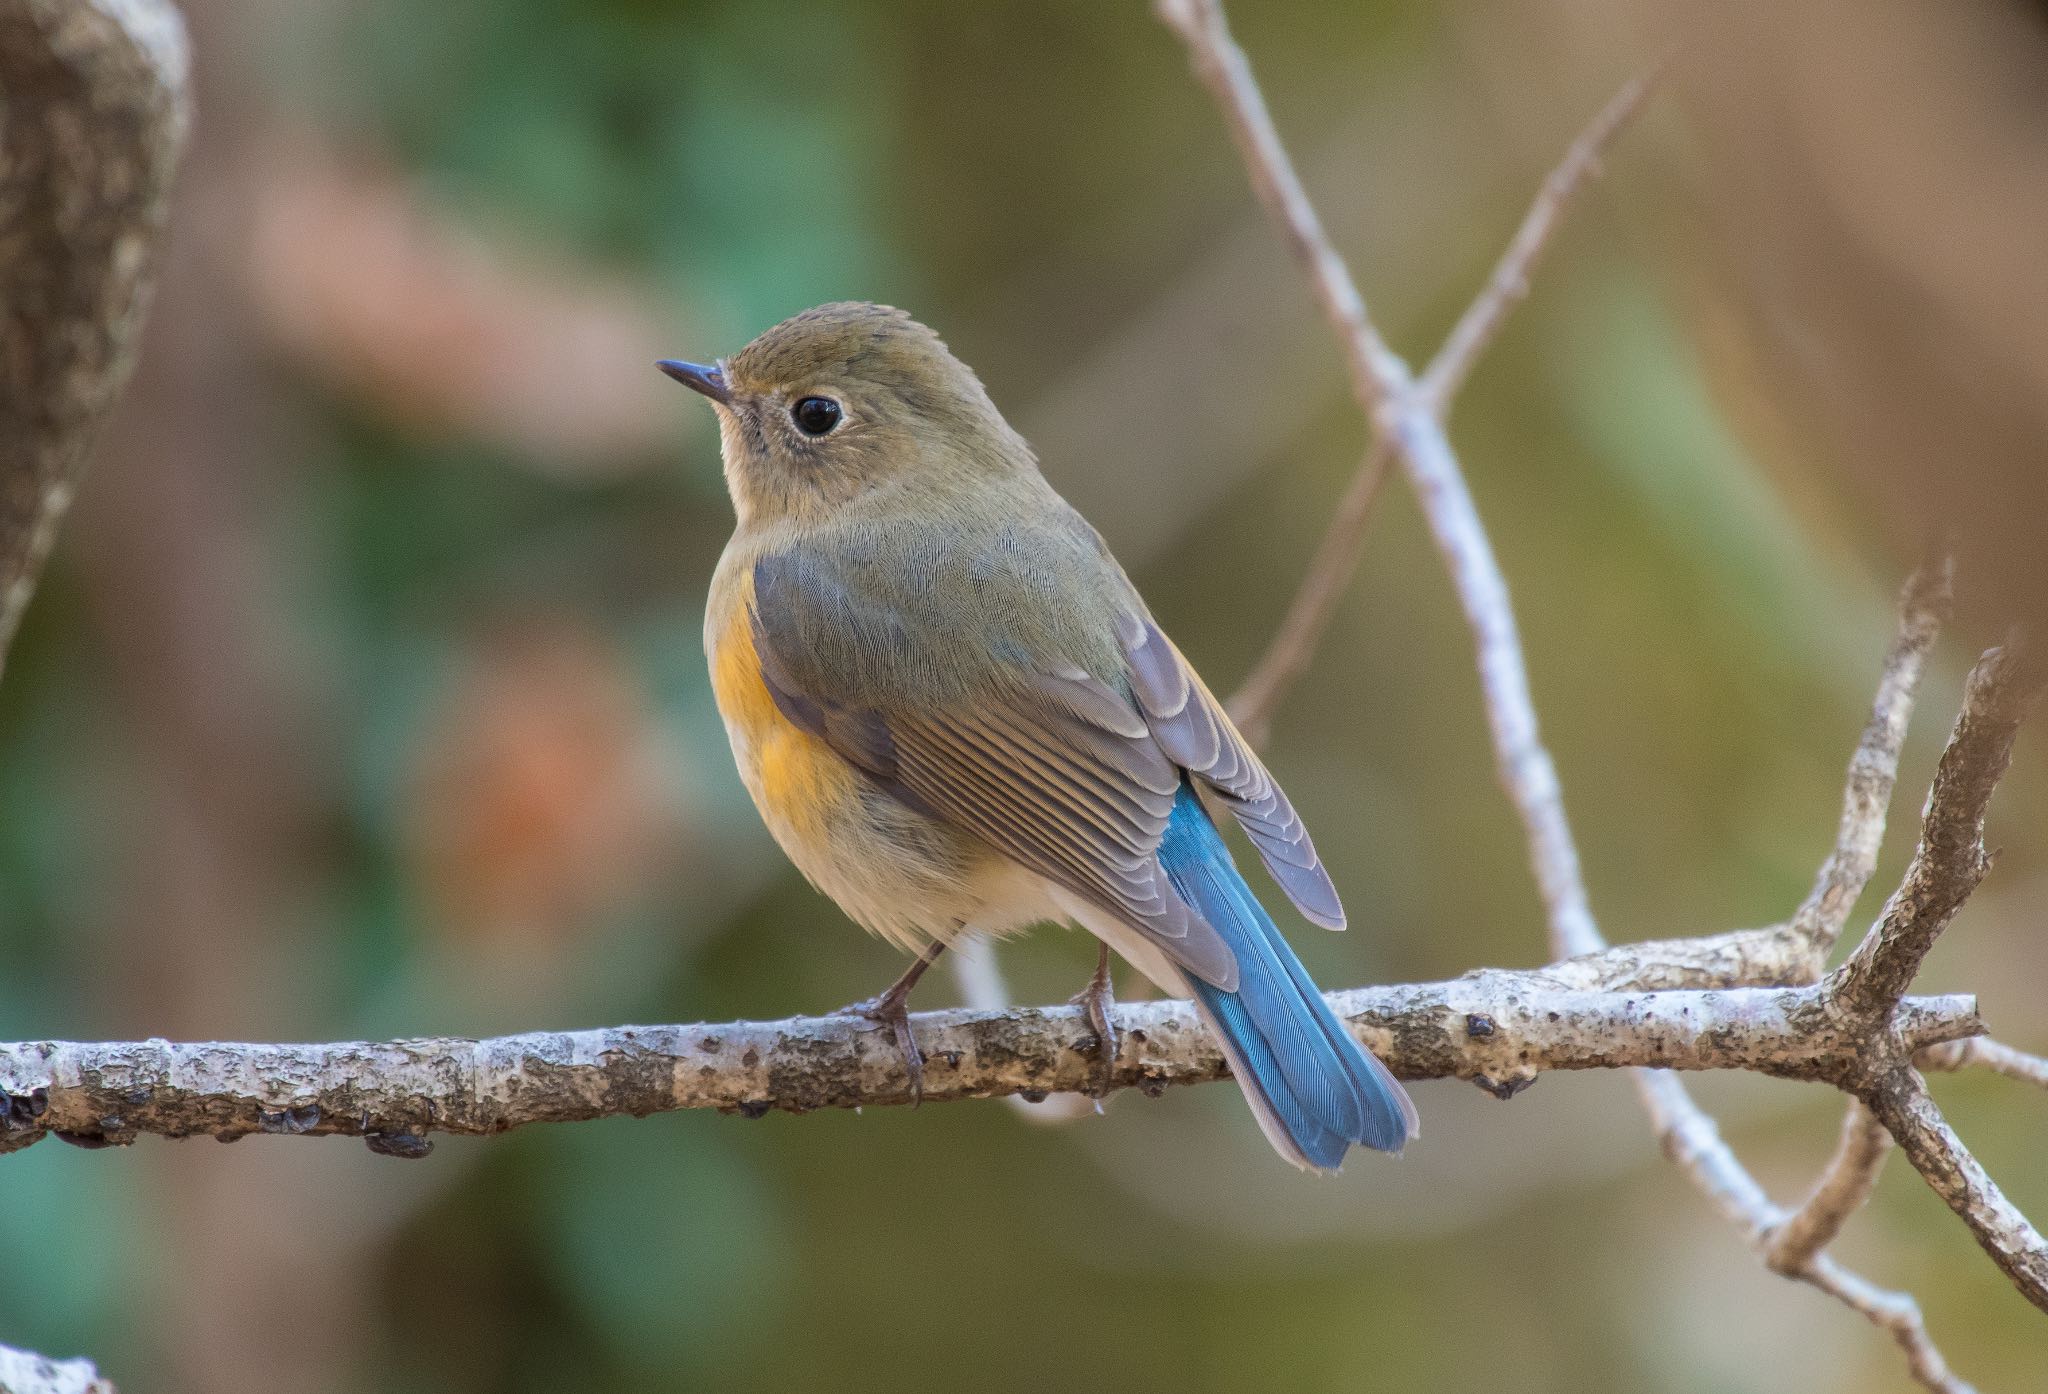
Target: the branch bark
(93, 110)
(1924, 606)
(1408, 419)
(1499, 1029)
(1308, 616)
(1992, 1055)
(25, 1372)
(1901, 1102)
(1951, 859)
(92, 114)
(1402, 414)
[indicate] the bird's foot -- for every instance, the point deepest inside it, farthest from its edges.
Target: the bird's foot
(891, 1008)
(1095, 1000)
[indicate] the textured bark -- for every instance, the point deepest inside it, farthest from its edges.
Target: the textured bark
(1407, 417)
(1498, 1029)
(25, 1372)
(92, 113)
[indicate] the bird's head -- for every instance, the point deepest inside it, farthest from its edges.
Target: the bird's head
(845, 400)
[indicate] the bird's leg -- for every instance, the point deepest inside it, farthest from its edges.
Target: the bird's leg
(1096, 999)
(891, 1008)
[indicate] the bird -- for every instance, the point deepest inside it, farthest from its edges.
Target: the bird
(957, 717)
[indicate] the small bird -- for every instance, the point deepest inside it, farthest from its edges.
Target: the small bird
(957, 717)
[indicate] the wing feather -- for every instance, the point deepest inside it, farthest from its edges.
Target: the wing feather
(1052, 767)
(1196, 733)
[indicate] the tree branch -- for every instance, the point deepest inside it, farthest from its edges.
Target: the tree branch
(1924, 605)
(25, 1372)
(1509, 284)
(1410, 419)
(1400, 413)
(1329, 573)
(1497, 1028)
(1909, 1114)
(1951, 859)
(92, 113)
(1982, 1050)
(1691, 1139)
(1845, 1184)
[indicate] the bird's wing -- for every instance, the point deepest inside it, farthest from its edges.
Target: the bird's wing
(1051, 766)
(1196, 733)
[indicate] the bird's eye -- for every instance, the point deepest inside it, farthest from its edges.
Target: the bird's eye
(815, 416)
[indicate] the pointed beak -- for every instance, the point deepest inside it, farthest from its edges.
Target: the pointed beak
(699, 377)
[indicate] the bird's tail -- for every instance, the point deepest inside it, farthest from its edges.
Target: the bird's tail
(1315, 1090)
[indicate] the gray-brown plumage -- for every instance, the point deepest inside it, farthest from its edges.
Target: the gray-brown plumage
(956, 714)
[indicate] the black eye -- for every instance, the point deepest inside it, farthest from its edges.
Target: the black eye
(815, 416)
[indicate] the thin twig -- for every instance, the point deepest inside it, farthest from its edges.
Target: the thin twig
(1308, 616)
(1692, 1140)
(1992, 1055)
(1378, 376)
(1844, 1185)
(1386, 391)
(1924, 604)
(1314, 605)
(1951, 859)
(1509, 284)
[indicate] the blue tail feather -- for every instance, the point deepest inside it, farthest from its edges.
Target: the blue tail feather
(1318, 1084)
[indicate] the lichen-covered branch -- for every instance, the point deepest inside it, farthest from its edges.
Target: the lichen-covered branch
(1951, 859)
(1909, 1114)
(1497, 1028)
(1924, 606)
(25, 1372)
(92, 112)
(1408, 418)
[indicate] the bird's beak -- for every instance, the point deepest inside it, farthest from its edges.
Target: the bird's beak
(706, 378)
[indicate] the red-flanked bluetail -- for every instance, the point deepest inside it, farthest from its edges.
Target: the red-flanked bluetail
(957, 716)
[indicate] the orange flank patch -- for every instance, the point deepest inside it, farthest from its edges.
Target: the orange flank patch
(795, 776)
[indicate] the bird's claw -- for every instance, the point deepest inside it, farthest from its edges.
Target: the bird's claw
(891, 1009)
(1095, 1000)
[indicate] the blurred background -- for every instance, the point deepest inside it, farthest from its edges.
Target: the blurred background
(365, 696)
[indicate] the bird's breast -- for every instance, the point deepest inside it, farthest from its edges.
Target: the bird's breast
(795, 778)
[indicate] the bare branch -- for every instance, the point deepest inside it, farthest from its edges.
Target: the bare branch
(1378, 376)
(1924, 605)
(1509, 284)
(25, 1372)
(92, 112)
(1951, 859)
(1846, 1183)
(1691, 1139)
(1497, 1028)
(1386, 390)
(1982, 1050)
(1893, 1312)
(1308, 616)
(1902, 1104)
